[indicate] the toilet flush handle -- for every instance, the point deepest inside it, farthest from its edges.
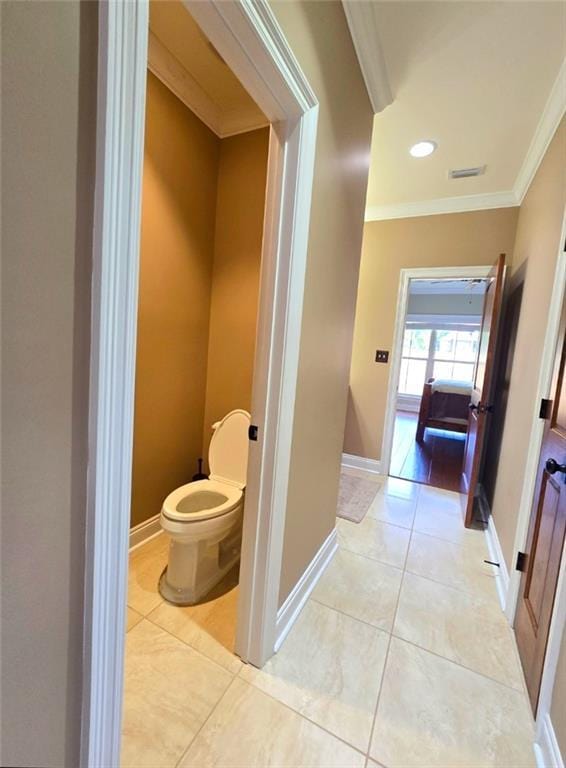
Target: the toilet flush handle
(215, 425)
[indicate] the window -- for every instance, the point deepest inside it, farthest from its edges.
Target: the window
(439, 353)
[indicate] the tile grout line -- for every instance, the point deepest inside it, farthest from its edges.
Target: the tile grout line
(195, 650)
(372, 730)
(251, 684)
(351, 616)
(457, 663)
(204, 722)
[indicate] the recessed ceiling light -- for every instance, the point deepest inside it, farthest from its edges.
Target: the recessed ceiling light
(423, 148)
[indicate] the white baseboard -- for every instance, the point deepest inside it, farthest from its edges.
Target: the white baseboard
(496, 554)
(547, 751)
(145, 531)
(289, 611)
(358, 462)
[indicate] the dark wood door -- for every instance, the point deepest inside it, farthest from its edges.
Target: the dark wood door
(545, 542)
(481, 399)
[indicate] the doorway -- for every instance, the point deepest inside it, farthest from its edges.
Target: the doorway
(434, 364)
(203, 202)
(250, 42)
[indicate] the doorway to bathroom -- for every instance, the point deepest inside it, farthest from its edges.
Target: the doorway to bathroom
(202, 219)
(248, 40)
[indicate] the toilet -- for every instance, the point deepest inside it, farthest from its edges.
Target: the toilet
(204, 518)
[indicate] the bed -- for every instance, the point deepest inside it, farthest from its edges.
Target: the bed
(444, 405)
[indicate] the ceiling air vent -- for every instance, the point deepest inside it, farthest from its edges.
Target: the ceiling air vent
(466, 173)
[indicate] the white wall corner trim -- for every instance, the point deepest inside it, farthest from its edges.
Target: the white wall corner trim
(460, 204)
(364, 29)
(143, 532)
(546, 128)
(349, 461)
(547, 751)
(496, 555)
(294, 603)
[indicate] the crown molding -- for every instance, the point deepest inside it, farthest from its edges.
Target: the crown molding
(552, 114)
(364, 30)
(179, 81)
(459, 204)
(550, 120)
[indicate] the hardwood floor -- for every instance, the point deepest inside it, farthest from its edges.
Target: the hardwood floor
(437, 461)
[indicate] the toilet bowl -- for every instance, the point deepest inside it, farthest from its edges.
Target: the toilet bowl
(204, 518)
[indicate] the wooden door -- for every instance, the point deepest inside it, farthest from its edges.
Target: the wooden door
(545, 542)
(481, 399)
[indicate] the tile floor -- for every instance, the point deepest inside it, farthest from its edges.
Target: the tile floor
(401, 658)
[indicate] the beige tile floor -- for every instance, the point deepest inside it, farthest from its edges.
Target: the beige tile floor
(401, 658)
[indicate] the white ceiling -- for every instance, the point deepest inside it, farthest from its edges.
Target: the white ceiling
(473, 76)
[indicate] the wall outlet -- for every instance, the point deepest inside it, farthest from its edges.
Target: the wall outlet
(381, 356)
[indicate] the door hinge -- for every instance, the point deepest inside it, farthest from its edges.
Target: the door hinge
(521, 564)
(252, 432)
(545, 406)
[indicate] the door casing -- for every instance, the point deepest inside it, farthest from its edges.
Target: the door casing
(248, 37)
(405, 277)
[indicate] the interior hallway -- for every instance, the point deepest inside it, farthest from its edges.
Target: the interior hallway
(401, 657)
(437, 461)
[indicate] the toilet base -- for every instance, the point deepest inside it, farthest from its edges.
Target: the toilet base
(195, 568)
(189, 596)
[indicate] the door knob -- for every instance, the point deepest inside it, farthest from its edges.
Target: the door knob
(552, 467)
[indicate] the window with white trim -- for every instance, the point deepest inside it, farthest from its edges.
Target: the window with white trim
(440, 352)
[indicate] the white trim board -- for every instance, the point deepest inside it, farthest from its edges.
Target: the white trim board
(460, 204)
(143, 532)
(349, 461)
(248, 37)
(174, 76)
(547, 751)
(496, 555)
(294, 603)
(405, 277)
(364, 30)
(549, 121)
(552, 114)
(537, 424)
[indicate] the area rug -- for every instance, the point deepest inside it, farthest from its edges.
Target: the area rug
(355, 497)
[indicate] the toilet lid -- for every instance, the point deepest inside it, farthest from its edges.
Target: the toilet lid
(228, 452)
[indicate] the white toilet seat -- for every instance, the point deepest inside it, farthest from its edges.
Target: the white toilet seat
(178, 507)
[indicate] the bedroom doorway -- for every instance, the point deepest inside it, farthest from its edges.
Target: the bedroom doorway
(433, 367)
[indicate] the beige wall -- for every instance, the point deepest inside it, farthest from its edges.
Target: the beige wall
(177, 251)
(558, 707)
(318, 34)
(458, 239)
(202, 223)
(536, 250)
(235, 278)
(48, 138)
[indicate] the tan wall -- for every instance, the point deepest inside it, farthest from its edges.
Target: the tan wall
(48, 139)
(536, 251)
(558, 707)
(319, 37)
(202, 223)
(177, 249)
(458, 239)
(235, 279)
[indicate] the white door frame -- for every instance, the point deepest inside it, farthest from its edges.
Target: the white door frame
(247, 36)
(546, 747)
(406, 275)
